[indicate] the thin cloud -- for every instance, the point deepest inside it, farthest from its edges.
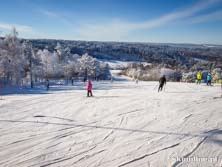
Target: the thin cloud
(55, 15)
(176, 15)
(117, 29)
(19, 28)
(48, 13)
(215, 16)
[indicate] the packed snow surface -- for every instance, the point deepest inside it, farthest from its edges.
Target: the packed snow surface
(124, 124)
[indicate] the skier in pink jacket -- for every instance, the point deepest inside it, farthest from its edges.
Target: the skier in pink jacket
(89, 88)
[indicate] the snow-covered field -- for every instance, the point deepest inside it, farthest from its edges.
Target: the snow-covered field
(117, 64)
(123, 125)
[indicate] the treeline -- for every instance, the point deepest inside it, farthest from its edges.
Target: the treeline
(152, 72)
(171, 54)
(21, 63)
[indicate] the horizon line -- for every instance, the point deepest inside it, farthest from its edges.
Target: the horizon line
(115, 41)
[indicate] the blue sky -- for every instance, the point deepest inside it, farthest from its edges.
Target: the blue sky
(174, 21)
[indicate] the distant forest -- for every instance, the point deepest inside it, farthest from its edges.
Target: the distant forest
(26, 60)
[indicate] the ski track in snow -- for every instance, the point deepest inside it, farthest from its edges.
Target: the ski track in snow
(123, 125)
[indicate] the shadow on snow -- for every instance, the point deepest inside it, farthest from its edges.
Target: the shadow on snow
(213, 136)
(55, 88)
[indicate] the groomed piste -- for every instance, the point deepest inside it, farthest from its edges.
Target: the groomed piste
(124, 124)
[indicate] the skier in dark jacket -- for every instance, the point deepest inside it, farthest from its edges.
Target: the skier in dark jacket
(162, 82)
(47, 84)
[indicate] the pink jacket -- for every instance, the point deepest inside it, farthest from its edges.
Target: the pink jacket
(89, 85)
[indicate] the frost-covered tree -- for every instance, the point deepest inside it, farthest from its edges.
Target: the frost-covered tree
(12, 59)
(63, 53)
(73, 69)
(32, 61)
(88, 65)
(73, 66)
(50, 64)
(45, 57)
(59, 51)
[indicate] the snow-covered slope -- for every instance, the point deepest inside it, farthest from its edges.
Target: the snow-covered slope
(123, 125)
(117, 64)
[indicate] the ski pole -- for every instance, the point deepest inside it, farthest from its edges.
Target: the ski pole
(1, 87)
